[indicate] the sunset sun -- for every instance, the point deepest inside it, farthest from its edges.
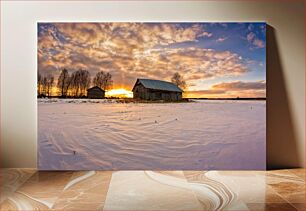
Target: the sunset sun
(121, 93)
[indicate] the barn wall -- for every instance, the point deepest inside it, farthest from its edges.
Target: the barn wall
(95, 94)
(140, 92)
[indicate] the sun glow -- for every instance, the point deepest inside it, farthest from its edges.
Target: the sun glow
(121, 93)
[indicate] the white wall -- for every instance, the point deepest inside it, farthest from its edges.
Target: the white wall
(18, 63)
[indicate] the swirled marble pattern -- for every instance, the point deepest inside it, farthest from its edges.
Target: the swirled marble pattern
(290, 184)
(147, 190)
(223, 197)
(28, 189)
(85, 191)
(12, 179)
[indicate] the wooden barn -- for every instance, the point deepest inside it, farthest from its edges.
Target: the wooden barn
(95, 93)
(148, 89)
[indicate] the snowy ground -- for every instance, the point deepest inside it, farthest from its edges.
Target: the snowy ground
(106, 135)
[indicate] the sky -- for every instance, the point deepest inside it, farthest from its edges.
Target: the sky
(215, 59)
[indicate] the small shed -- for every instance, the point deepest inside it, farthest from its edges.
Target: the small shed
(95, 93)
(149, 89)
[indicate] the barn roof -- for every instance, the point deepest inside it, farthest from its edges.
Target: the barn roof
(95, 87)
(158, 85)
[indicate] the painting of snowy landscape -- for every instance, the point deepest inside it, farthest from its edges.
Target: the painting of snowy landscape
(151, 96)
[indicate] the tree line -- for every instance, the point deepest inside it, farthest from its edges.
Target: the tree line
(74, 85)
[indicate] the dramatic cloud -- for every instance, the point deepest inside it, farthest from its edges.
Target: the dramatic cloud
(239, 85)
(257, 43)
(132, 50)
(193, 63)
(232, 89)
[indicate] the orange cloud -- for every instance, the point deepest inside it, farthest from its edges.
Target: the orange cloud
(240, 85)
(257, 43)
(132, 50)
(231, 90)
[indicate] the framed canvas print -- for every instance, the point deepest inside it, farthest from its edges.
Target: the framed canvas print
(151, 96)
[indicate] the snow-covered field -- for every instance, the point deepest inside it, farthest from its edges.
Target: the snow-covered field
(106, 135)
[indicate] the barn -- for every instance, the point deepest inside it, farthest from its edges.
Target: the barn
(148, 89)
(95, 93)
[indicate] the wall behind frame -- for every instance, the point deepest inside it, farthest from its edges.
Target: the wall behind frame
(285, 64)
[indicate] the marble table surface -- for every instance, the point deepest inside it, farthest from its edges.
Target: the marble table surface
(29, 189)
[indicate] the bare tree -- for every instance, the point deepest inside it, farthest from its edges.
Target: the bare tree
(44, 85)
(74, 84)
(39, 84)
(98, 79)
(178, 80)
(63, 83)
(79, 82)
(85, 81)
(50, 83)
(103, 80)
(108, 81)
